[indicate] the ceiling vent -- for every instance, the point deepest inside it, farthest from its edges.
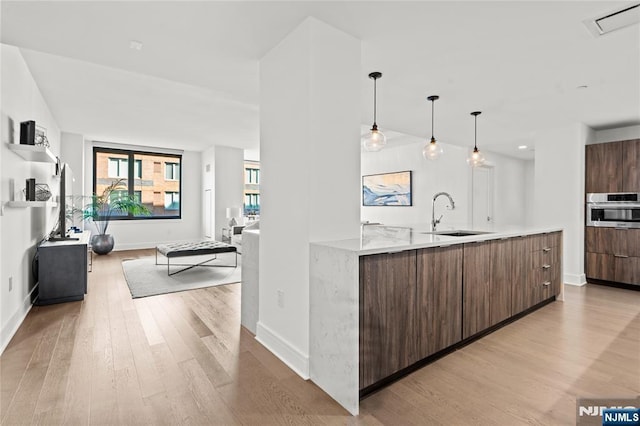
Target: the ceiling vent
(614, 20)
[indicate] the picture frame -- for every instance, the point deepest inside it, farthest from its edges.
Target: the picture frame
(387, 189)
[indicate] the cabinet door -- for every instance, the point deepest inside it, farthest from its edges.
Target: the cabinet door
(521, 292)
(601, 266)
(439, 309)
(500, 284)
(626, 242)
(603, 167)
(475, 293)
(600, 240)
(62, 273)
(388, 340)
(631, 166)
(627, 270)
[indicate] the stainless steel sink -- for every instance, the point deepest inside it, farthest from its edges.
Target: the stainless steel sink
(458, 233)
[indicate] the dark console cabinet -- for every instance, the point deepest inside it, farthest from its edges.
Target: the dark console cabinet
(62, 271)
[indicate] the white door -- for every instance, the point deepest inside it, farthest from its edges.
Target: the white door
(482, 197)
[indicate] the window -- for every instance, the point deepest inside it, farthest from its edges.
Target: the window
(159, 190)
(171, 171)
(171, 200)
(118, 167)
(252, 176)
(251, 204)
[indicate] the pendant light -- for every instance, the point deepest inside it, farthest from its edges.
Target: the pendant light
(476, 158)
(375, 139)
(432, 150)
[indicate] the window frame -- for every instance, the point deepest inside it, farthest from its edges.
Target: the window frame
(131, 153)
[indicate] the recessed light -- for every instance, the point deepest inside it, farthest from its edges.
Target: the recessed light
(135, 45)
(522, 147)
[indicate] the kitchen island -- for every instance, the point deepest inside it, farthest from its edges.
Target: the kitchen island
(400, 297)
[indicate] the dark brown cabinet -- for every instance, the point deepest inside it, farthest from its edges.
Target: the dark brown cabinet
(476, 313)
(613, 167)
(388, 340)
(501, 281)
(545, 276)
(631, 166)
(603, 163)
(505, 277)
(613, 254)
(416, 303)
(439, 296)
(523, 295)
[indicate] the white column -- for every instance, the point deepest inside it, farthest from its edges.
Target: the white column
(559, 191)
(229, 185)
(310, 173)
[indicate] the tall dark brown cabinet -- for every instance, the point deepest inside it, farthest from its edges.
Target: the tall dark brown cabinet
(612, 254)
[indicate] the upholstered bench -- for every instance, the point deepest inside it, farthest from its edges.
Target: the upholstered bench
(196, 248)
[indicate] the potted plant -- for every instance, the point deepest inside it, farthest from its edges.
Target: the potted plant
(101, 208)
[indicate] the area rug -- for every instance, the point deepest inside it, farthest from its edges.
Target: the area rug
(145, 278)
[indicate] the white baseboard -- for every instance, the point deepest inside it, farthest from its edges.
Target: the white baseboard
(16, 320)
(289, 354)
(575, 279)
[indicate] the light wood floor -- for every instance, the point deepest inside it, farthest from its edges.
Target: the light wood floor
(183, 358)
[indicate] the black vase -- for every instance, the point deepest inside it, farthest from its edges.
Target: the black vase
(102, 243)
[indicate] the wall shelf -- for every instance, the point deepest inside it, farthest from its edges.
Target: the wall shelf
(37, 153)
(23, 204)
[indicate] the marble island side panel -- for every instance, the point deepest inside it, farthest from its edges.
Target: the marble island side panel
(334, 323)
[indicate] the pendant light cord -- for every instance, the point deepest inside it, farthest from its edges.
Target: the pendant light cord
(475, 137)
(432, 106)
(375, 100)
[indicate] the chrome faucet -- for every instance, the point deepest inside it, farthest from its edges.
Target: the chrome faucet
(434, 221)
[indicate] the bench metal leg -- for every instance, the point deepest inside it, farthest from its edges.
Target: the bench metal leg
(189, 266)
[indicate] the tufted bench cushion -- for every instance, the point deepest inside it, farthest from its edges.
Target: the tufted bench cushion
(195, 248)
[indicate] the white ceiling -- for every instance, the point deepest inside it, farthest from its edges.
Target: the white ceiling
(195, 81)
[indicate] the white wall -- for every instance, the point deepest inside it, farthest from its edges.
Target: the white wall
(617, 134)
(208, 166)
(72, 152)
(450, 173)
(136, 234)
(21, 228)
(529, 191)
(225, 179)
(229, 178)
(559, 191)
(309, 157)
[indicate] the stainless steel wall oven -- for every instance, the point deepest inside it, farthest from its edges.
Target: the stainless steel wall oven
(615, 210)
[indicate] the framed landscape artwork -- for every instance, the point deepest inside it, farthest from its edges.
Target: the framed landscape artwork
(387, 189)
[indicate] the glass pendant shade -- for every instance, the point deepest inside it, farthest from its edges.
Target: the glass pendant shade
(432, 150)
(374, 140)
(476, 158)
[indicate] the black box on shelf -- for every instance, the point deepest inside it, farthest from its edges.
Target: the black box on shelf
(28, 132)
(31, 190)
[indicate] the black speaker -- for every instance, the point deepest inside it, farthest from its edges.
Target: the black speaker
(28, 132)
(31, 189)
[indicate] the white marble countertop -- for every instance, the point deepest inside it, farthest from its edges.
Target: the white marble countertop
(386, 238)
